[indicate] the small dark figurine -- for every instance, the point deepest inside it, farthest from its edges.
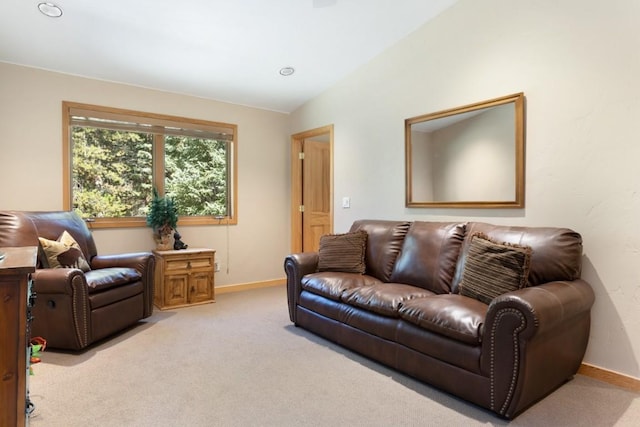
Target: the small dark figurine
(178, 244)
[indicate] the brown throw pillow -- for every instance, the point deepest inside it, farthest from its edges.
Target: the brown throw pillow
(343, 252)
(64, 253)
(491, 268)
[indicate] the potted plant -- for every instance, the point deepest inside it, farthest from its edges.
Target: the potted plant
(162, 218)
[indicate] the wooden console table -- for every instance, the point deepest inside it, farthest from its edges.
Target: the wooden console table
(15, 267)
(184, 277)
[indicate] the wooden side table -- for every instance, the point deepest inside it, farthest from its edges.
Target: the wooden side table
(16, 264)
(184, 277)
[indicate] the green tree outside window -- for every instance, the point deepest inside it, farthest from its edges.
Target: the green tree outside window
(117, 157)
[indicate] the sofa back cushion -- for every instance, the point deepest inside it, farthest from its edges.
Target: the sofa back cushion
(384, 241)
(429, 255)
(16, 230)
(51, 225)
(556, 253)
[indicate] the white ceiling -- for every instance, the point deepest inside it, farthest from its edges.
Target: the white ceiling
(227, 50)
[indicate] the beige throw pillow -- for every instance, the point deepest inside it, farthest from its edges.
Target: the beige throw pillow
(64, 253)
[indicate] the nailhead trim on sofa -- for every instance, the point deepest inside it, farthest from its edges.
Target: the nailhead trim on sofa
(516, 356)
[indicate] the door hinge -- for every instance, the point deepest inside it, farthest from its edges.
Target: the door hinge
(301, 208)
(301, 155)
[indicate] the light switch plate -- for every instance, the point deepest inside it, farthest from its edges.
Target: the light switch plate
(346, 202)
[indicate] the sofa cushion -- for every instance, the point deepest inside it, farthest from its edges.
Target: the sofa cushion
(119, 293)
(52, 224)
(556, 253)
(332, 285)
(107, 278)
(342, 252)
(429, 255)
(364, 320)
(63, 253)
(451, 315)
(492, 269)
(383, 298)
(384, 243)
(459, 353)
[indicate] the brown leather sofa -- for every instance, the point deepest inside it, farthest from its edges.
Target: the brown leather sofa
(406, 310)
(74, 308)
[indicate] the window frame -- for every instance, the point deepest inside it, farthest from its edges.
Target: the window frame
(69, 107)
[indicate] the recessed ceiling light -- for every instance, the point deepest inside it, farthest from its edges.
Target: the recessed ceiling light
(287, 71)
(50, 10)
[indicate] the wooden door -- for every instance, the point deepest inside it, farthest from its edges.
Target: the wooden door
(311, 188)
(316, 194)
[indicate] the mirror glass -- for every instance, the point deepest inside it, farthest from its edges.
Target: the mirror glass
(471, 156)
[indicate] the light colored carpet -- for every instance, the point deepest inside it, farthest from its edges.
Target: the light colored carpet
(240, 362)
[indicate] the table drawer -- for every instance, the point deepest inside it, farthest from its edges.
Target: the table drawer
(189, 263)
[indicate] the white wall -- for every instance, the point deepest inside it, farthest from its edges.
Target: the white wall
(31, 166)
(578, 64)
(422, 178)
(476, 159)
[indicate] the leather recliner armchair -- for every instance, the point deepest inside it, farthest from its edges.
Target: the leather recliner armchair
(75, 308)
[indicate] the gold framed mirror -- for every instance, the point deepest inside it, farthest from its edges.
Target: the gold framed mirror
(467, 157)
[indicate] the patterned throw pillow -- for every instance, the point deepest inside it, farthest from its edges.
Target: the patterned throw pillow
(343, 252)
(64, 253)
(491, 268)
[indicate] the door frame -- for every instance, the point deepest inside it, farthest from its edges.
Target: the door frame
(296, 182)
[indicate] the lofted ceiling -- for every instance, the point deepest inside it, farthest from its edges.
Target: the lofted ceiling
(226, 50)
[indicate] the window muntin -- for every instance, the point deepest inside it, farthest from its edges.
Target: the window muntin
(114, 158)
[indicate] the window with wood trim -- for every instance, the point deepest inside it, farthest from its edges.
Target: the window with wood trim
(114, 158)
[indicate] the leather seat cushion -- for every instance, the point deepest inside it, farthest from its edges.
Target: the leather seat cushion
(383, 298)
(333, 284)
(364, 320)
(452, 352)
(107, 278)
(451, 315)
(116, 296)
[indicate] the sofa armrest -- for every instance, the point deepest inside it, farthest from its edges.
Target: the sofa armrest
(56, 280)
(144, 262)
(546, 305)
(138, 260)
(296, 266)
(62, 301)
(535, 337)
